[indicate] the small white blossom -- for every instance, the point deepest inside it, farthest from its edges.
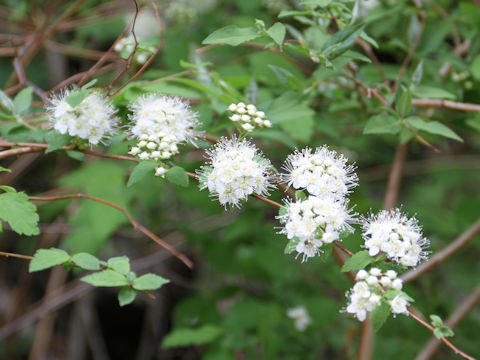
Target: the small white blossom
(301, 317)
(368, 293)
(321, 173)
(93, 119)
(249, 116)
(396, 235)
(315, 221)
(235, 170)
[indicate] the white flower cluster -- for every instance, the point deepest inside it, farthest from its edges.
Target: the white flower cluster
(161, 124)
(323, 172)
(396, 235)
(313, 222)
(235, 170)
(370, 290)
(93, 119)
(301, 317)
(248, 116)
(126, 45)
(324, 214)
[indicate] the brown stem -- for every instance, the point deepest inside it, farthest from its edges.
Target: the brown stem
(462, 310)
(395, 177)
(444, 254)
(446, 104)
(443, 339)
(135, 224)
(7, 254)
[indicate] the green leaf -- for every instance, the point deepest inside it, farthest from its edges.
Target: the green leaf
(106, 278)
(231, 35)
(4, 169)
(341, 41)
(358, 261)
(391, 294)
(90, 84)
(6, 102)
(149, 282)
(404, 103)
(177, 175)
(188, 65)
(300, 195)
(47, 258)
(432, 127)
(126, 295)
(291, 245)
(277, 33)
(19, 213)
(120, 264)
(382, 124)
(7, 188)
(22, 101)
(56, 141)
(417, 74)
(188, 337)
(86, 261)
(475, 67)
(76, 97)
(379, 315)
(432, 93)
(140, 170)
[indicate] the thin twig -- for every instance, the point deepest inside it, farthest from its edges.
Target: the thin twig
(462, 310)
(369, 51)
(7, 254)
(135, 224)
(446, 104)
(443, 254)
(395, 177)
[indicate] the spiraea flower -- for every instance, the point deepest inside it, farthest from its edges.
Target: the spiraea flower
(235, 170)
(374, 287)
(301, 317)
(321, 173)
(93, 119)
(313, 222)
(161, 124)
(396, 235)
(248, 117)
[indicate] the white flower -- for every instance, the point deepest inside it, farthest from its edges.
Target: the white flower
(249, 116)
(361, 275)
(93, 119)
(235, 170)
(397, 284)
(375, 271)
(162, 122)
(321, 173)
(399, 305)
(315, 221)
(301, 317)
(396, 235)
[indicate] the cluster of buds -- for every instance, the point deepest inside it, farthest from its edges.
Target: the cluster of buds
(374, 287)
(126, 45)
(155, 147)
(248, 116)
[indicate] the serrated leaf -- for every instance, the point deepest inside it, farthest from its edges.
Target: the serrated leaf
(90, 84)
(4, 169)
(56, 141)
(6, 102)
(341, 41)
(277, 32)
(7, 188)
(358, 261)
(188, 337)
(106, 278)
(404, 103)
(391, 294)
(22, 101)
(19, 213)
(231, 35)
(379, 315)
(47, 258)
(177, 176)
(76, 97)
(149, 282)
(120, 264)
(140, 171)
(475, 67)
(432, 127)
(382, 124)
(86, 261)
(126, 295)
(417, 75)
